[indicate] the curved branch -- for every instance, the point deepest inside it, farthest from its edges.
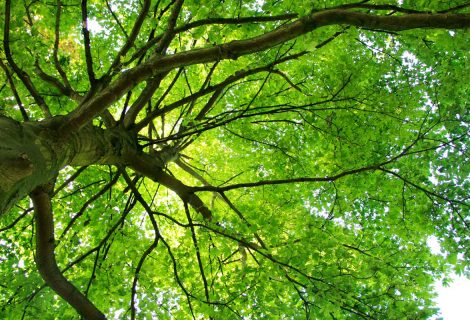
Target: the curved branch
(45, 258)
(388, 7)
(211, 21)
(151, 168)
(459, 7)
(287, 181)
(232, 50)
(239, 20)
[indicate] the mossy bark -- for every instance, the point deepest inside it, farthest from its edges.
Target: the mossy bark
(33, 153)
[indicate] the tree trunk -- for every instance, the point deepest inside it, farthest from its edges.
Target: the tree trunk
(33, 153)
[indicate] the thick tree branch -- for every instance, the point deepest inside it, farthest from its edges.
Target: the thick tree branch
(153, 169)
(211, 21)
(232, 50)
(45, 257)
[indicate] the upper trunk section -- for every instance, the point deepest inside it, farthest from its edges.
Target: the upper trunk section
(32, 153)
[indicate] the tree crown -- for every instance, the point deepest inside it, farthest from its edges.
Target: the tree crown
(232, 159)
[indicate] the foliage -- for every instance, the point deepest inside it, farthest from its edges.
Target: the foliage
(327, 161)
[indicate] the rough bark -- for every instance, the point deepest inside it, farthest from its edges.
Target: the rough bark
(26, 160)
(32, 153)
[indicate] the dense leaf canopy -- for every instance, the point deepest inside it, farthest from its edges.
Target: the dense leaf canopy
(232, 159)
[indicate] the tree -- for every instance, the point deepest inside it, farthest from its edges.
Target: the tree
(232, 159)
